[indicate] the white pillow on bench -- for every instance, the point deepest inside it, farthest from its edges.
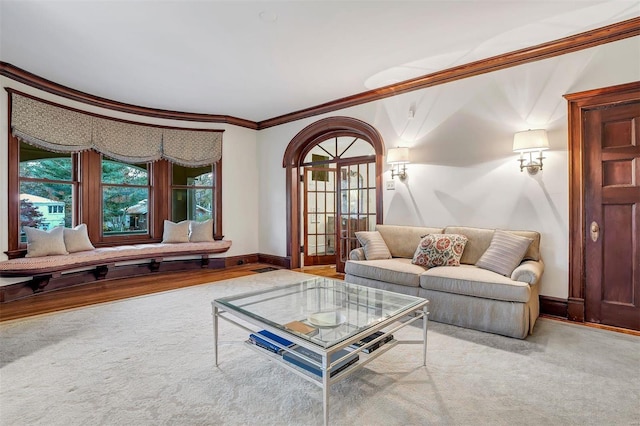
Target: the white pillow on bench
(176, 232)
(45, 243)
(201, 232)
(77, 239)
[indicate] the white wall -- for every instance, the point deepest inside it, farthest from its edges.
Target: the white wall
(463, 171)
(239, 172)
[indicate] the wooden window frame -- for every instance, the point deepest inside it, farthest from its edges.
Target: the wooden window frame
(88, 199)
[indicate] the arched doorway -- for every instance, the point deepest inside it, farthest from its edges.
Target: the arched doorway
(294, 159)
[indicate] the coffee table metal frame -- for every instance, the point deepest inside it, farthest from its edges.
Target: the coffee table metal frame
(388, 326)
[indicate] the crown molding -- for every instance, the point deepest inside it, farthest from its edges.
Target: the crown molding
(25, 77)
(585, 40)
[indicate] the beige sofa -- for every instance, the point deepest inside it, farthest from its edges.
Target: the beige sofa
(464, 295)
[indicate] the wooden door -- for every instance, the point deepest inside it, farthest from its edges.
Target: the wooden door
(612, 215)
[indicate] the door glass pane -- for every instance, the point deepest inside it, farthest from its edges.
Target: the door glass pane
(312, 244)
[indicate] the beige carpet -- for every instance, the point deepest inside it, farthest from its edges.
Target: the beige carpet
(149, 361)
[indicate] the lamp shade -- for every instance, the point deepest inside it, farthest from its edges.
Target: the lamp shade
(530, 140)
(398, 156)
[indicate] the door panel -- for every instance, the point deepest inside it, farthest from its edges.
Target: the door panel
(319, 212)
(357, 194)
(612, 204)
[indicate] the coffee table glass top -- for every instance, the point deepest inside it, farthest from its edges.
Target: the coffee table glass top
(321, 310)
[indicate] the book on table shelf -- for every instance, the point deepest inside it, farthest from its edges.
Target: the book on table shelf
(369, 338)
(292, 357)
(260, 339)
(301, 327)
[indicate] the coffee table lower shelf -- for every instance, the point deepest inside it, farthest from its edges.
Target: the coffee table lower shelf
(317, 380)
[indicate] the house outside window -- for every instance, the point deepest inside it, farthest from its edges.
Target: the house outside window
(46, 187)
(125, 195)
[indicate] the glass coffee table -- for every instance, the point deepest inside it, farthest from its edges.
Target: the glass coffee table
(321, 329)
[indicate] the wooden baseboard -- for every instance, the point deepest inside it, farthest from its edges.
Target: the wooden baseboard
(242, 259)
(553, 306)
(283, 262)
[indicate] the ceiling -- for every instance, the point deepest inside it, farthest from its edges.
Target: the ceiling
(258, 60)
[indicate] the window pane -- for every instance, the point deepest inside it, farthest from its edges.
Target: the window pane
(196, 176)
(45, 205)
(40, 164)
(193, 204)
(124, 210)
(123, 173)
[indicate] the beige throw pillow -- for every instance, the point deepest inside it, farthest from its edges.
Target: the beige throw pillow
(77, 239)
(439, 250)
(42, 243)
(504, 253)
(176, 232)
(200, 232)
(373, 245)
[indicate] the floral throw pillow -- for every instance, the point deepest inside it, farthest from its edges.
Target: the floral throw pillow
(440, 250)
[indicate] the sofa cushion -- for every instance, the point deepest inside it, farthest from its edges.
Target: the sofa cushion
(473, 281)
(45, 243)
(504, 253)
(480, 240)
(373, 245)
(398, 270)
(439, 250)
(403, 240)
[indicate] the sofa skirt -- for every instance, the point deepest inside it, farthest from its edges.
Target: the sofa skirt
(493, 316)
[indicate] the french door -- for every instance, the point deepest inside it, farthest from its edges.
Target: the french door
(339, 198)
(319, 215)
(357, 207)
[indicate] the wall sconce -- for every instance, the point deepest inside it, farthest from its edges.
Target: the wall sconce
(398, 158)
(528, 142)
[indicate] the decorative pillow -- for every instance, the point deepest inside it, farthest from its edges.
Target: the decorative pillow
(77, 239)
(43, 243)
(440, 250)
(200, 232)
(373, 245)
(176, 232)
(504, 253)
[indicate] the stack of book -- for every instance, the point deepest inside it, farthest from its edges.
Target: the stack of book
(292, 357)
(369, 338)
(265, 339)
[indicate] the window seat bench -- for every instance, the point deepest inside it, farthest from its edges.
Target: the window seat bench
(53, 272)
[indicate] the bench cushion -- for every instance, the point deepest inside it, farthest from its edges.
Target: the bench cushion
(33, 265)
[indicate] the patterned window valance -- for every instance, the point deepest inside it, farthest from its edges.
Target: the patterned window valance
(60, 129)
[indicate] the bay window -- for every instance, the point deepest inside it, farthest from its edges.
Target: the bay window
(121, 179)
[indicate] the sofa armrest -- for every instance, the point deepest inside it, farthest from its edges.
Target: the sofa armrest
(357, 254)
(528, 271)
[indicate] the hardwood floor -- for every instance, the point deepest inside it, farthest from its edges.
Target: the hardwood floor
(108, 291)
